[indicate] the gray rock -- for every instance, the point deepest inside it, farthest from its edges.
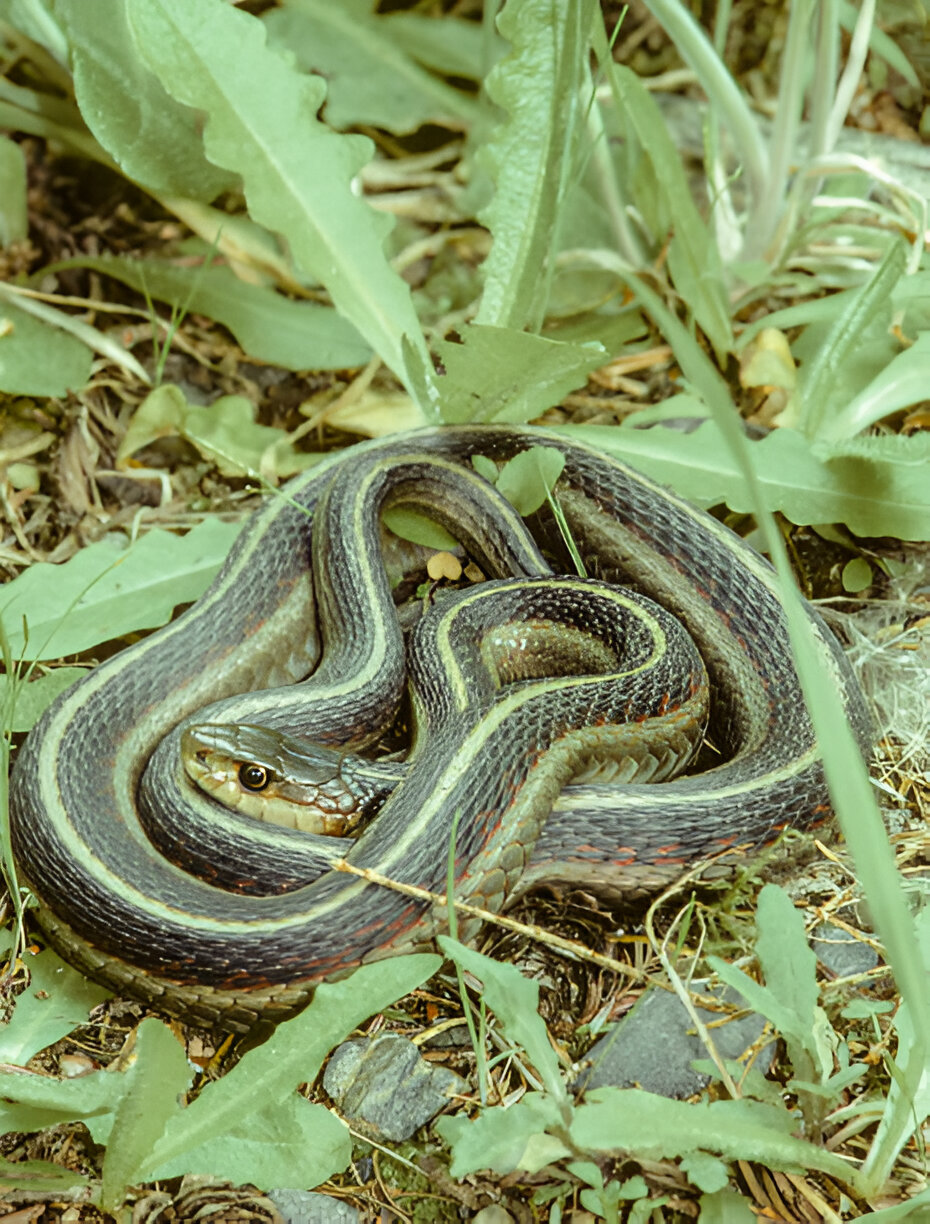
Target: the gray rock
(653, 1048)
(841, 953)
(305, 1207)
(384, 1088)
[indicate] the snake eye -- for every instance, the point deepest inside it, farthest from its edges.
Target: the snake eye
(253, 777)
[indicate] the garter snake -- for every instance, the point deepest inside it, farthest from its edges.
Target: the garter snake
(123, 912)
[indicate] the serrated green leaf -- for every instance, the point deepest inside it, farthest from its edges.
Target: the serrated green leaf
(37, 358)
(57, 1000)
(532, 157)
(268, 326)
(61, 1099)
(514, 1000)
(292, 1143)
(653, 1127)
(370, 78)
(297, 174)
(503, 1140)
(109, 589)
(694, 261)
(500, 374)
(295, 1051)
(154, 139)
(452, 46)
(152, 1085)
(38, 1177)
(787, 960)
(34, 697)
(225, 432)
(902, 383)
(876, 486)
(818, 376)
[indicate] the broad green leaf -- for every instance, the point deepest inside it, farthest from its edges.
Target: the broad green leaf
(224, 432)
(290, 1143)
(57, 1000)
(655, 1128)
(706, 1172)
(788, 962)
(32, 698)
(370, 78)
(528, 478)
(152, 1086)
(759, 998)
(818, 376)
(154, 139)
(418, 528)
(14, 224)
(37, 358)
(902, 383)
(876, 486)
(298, 175)
(694, 261)
(61, 1099)
(294, 1053)
(450, 45)
(533, 156)
(502, 374)
(297, 335)
(24, 1177)
(109, 589)
(503, 1140)
(726, 1207)
(227, 432)
(514, 999)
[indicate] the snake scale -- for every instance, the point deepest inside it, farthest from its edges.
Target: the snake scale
(245, 934)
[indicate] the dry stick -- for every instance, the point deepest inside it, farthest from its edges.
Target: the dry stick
(569, 946)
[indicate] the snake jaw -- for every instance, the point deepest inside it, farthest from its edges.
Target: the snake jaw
(217, 758)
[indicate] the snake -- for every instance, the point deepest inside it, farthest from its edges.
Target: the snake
(298, 635)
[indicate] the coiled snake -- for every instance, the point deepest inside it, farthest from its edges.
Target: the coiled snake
(247, 931)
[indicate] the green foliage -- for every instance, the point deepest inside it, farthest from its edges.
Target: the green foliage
(152, 137)
(111, 588)
(249, 1126)
(56, 1000)
(502, 374)
(225, 432)
(297, 174)
(13, 218)
(268, 326)
(533, 156)
(372, 78)
(590, 201)
(36, 358)
(546, 1125)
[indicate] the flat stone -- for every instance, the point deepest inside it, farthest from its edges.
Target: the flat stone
(385, 1088)
(654, 1047)
(841, 953)
(305, 1207)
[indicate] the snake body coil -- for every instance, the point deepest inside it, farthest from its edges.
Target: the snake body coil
(117, 907)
